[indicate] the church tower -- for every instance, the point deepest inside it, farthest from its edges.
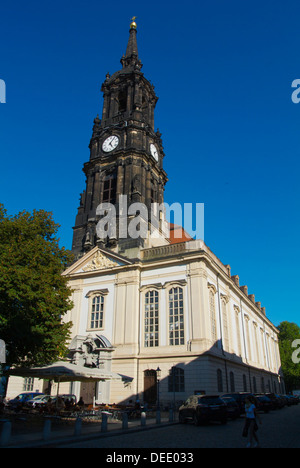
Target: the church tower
(126, 153)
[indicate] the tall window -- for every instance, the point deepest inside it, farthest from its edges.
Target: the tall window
(225, 324)
(247, 326)
(110, 189)
(176, 380)
(122, 101)
(28, 384)
(220, 380)
(97, 312)
(151, 319)
(238, 331)
(232, 382)
(256, 343)
(254, 385)
(245, 383)
(263, 385)
(212, 312)
(176, 317)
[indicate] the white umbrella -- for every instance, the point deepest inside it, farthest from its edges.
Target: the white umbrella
(63, 371)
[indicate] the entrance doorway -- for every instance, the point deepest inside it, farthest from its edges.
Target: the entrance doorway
(88, 392)
(150, 387)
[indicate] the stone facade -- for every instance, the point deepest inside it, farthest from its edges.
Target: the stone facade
(177, 308)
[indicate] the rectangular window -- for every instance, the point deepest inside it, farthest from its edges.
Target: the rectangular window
(110, 190)
(151, 319)
(28, 384)
(176, 317)
(176, 380)
(97, 312)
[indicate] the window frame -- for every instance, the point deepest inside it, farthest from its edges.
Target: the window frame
(91, 297)
(182, 340)
(176, 382)
(111, 191)
(156, 293)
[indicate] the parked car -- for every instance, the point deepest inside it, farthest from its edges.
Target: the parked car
(203, 408)
(292, 399)
(277, 402)
(233, 409)
(19, 401)
(264, 403)
(240, 398)
(38, 401)
(284, 399)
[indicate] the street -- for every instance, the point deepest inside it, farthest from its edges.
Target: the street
(279, 429)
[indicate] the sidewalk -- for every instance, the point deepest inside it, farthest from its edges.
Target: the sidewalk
(89, 431)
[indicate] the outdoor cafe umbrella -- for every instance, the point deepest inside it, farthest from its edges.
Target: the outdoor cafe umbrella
(63, 371)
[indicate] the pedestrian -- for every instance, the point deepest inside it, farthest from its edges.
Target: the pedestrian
(81, 402)
(251, 427)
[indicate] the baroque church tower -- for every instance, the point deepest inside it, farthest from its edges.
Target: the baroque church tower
(126, 153)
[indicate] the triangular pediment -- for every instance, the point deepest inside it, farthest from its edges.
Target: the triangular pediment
(97, 260)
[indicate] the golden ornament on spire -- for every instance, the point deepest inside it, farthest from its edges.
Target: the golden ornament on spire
(133, 24)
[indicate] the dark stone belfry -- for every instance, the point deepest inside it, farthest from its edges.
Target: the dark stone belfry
(126, 153)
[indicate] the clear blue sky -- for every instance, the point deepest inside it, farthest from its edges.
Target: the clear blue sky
(231, 133)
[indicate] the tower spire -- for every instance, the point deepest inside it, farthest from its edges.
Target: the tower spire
(131, 59)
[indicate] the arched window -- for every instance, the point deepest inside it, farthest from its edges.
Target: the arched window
(151, 324)
(97, 312)
(176, 317)
(254, 385)
(220, 380)
(263, 385)
(224, 301)
(232, 382)
(238, 330)
(245, 383)
(212, 312)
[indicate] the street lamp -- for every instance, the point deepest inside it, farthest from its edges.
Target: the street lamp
(158, 375)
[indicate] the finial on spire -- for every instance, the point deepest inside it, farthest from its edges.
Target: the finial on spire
(133, 24)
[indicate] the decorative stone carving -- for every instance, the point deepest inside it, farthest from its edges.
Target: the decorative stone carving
(100, 262)
(212, 287)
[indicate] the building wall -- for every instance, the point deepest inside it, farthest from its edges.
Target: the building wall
(223, 327)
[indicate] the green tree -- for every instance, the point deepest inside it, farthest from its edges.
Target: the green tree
(288, 333)
(34, 296)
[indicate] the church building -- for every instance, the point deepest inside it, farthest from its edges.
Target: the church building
(161, 309)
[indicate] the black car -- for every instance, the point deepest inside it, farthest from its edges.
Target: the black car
(233, 409)
(240, 398)
(276, 401)
(203, 408)
(292, 400)
(263, 403)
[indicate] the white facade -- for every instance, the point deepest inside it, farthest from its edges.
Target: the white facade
(176, 306)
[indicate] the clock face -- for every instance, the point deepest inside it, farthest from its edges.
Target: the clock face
(154, 152)
(110, 143)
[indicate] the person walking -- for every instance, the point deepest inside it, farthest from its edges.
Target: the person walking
(251, 426)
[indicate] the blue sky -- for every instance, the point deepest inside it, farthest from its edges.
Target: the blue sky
(223, 73)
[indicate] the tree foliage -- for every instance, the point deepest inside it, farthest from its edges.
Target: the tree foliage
(288, 333)
(34, 296)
